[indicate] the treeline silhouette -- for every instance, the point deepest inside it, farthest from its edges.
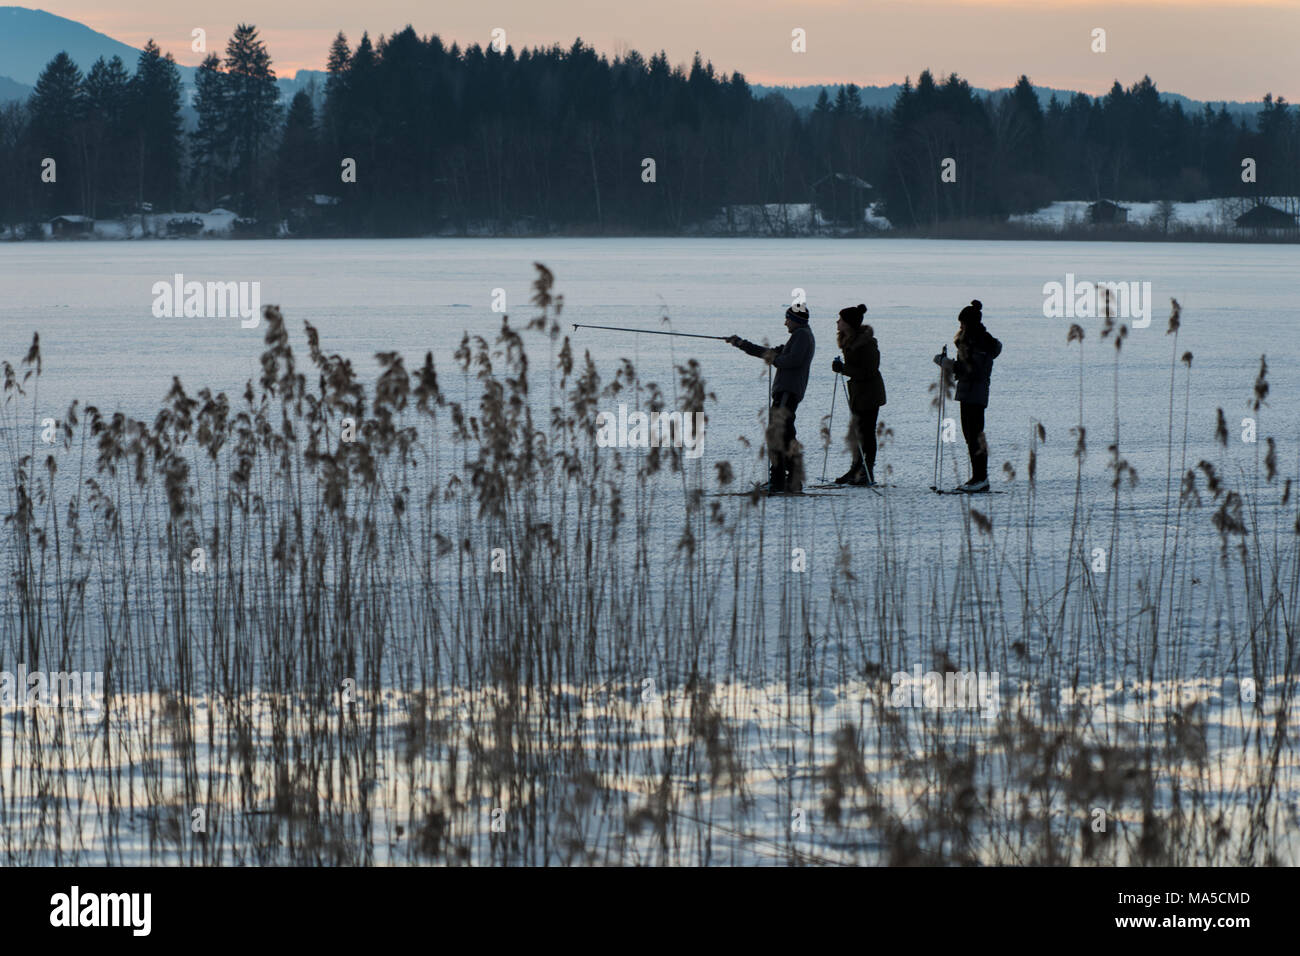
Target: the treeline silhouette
(557, 140)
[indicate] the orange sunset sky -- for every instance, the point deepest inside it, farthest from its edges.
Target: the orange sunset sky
(1205, 49)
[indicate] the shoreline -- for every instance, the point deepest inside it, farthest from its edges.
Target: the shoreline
(974, 234)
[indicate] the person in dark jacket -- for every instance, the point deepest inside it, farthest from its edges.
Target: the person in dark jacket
(973, 368)
(861, 363)
(791, 362)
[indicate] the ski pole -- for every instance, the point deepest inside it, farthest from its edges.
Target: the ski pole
(768, 438)
(829, 425)
(615, 328)
(943, 409)
(938, 425)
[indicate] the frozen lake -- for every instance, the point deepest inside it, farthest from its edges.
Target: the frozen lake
(756, 669)
(91, 303)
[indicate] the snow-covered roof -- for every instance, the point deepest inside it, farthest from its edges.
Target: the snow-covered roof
(857, 182)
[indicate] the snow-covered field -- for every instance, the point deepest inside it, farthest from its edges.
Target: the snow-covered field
(771, 640)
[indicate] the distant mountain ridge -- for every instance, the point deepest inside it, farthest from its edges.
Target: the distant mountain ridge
(29, 39)
(882, 97)
(9, 90)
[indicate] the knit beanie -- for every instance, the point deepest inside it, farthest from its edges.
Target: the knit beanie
(798, 312)
(972, 313)
(853, 315)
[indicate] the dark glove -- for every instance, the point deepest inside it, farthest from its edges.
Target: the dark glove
(837, 366)
(734, 340)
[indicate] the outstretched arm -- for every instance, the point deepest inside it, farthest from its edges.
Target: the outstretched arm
(747, 346)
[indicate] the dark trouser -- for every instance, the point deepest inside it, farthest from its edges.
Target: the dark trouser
(972, 429)
(862, 436)
(783, 451)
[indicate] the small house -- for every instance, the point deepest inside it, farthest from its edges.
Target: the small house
(1266, 218)
(63, 227)
(1106, 213)
(842, 198)
(317, 215)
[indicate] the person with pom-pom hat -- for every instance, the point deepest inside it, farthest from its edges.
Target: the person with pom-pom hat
(861, 363)
(973, 369)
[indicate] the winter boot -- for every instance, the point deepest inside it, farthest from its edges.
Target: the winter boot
(851, 477)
